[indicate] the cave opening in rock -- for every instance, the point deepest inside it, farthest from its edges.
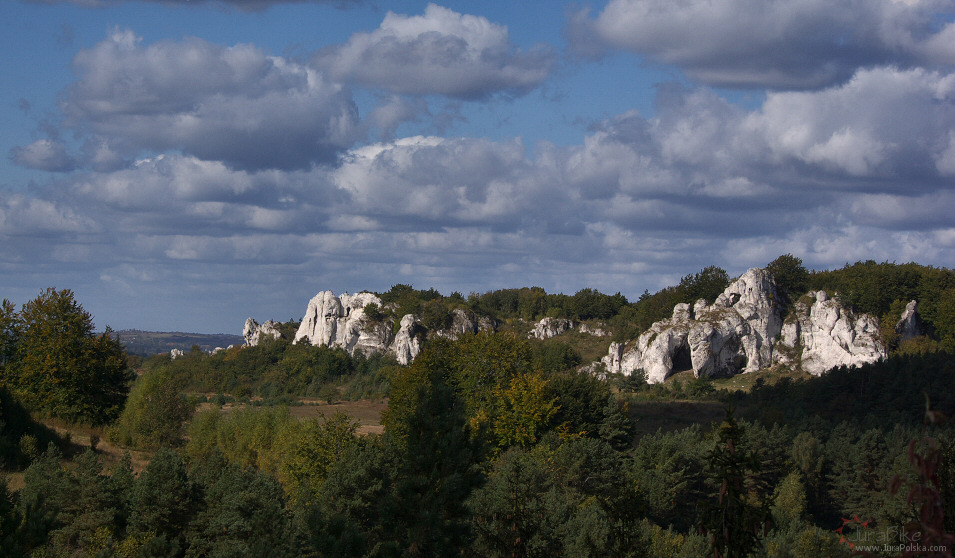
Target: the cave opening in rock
(681, 359)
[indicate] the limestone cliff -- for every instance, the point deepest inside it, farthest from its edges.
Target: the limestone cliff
(255, 333)
(341, 322)
(552, 327)
(743, 331)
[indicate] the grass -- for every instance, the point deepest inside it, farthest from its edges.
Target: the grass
(366, 411)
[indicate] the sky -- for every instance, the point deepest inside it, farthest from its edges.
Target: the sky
(182, 165)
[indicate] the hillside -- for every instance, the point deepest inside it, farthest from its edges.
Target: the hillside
(147, 343)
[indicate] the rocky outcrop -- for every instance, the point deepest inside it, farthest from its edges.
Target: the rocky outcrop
(255, 333)
(176, 353)
(334, 321)
(740, 332)
(407, 343)
(910, 325)
(463, 322)
(552, 327)
(827, 335)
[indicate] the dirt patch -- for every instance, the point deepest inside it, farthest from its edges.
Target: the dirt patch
(366, 411)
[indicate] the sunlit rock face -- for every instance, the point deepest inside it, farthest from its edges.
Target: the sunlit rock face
(255, 333)
(743, 330)
(830, 335)
(333, 321)
(407, 343)
(552, 327)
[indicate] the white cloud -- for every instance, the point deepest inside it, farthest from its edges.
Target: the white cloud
(441, 52)
(231, 104)
(784, 45)
(43, 154)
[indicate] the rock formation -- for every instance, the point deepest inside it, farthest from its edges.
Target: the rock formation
(552, 327)
(910, 325)
(255, 333)
(465, 321)
(830, 335)
(334, 321)
(739, 332)
(407, 343)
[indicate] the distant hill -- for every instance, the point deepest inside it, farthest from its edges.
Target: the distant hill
(148, 343)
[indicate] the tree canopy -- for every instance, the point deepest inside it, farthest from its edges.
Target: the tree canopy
(54, 362)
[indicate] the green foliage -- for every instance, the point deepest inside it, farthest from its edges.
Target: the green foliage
(155, 413)
(570, 500)
(737, 513)
(668, 469)
(873, 288)
(21, 437)
(9, 334)
(523, 411)
(791, 277)
(311, 449)
(60, 366)
(244, 513)
(276, 369)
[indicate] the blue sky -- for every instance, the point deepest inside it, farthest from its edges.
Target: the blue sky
(183, 165)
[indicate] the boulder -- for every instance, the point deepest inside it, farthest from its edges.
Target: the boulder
(463, 322)
(552, 327)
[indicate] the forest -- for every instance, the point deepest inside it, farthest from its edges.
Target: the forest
(491, 444)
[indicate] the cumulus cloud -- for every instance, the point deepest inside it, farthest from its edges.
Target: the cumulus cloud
(441, 52)
(24, 216)
(782, 45)
(857, 170)
(231, 104)
(43, 154)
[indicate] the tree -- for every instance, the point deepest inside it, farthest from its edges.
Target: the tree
(790, 275)
(708, 284)
(524, 410)
(62, 367)
(734, 521)
(155, 413)
(9, 331)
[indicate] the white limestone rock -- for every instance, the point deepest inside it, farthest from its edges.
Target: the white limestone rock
(255, 333)
(407, 343)
(333, 321)
(743, 331)
(831, 336)
(595, 331)
(551, 327)
(176, 353)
